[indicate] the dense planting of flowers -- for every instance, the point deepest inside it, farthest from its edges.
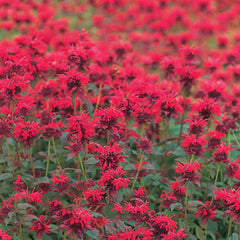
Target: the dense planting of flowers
(119, 120)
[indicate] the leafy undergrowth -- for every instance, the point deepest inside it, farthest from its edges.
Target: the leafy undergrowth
(119, 120)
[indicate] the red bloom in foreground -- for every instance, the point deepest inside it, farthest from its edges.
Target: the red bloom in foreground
(78, 222)
(81, 126)
(26, 132)
(231, 201)
(206, 211)
(189, 171)
(40, 226)
(193, 145)
(93, 196)
(113, 179)
(108, 117)
(74, 80)
(207, 107)
(5, 127)
(61, 181)
(178, 189)
(139, 211)
(4, 236)
(140, 233)
(109, 156)
(179, 235)
(162, 225)
(145, 144)
(221, 155)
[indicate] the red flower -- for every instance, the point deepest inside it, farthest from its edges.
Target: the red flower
(19, 185)
(12, 87)
(193, 145)
(179, 235)
(178, 190)
(61, 182)
(113, 179)
(26, 132)
(167, 200)
(145, 144)
(221, 154)
(226, 124)
(190, 52)
(215, 138)
(232, 168)
(40, 226)
(196, 125)
(189, 171)
(78, 222)
(5, 127)
(109, 156)
(4, 236)
(141, 233)
(231, 200)
(52, 129)
(139, 211)
(81, 126)
(162, 225)
(169, 103)
(108, 117)
(207, 107)
(93, 196)
(206, 211)
(74, 80)
(140, 193)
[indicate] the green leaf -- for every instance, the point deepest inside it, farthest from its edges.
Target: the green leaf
(10, 217)
(178, 152)
(130, 166)
(38, 165)
(11, 142)
(199, 233)
(212, 235)
(4, 176)
(92, 234)
(63, 138)
(234, 236)
(89, 107)
(91, 161)
(43, 180)
(176, 206)
(195, 203)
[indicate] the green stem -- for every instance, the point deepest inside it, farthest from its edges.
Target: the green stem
(108, 137)
(186, 204)
(49, 146)
(99, 95)
(20, 231)
(65, 235)
(216, 178)
(182, 123)
(12, 109)
(206, 231)
(138, 171)
(191, 196)
(229, 227)
(238, 232)
(82, 167)
(235, 138)
(74, 103)
(31, 162)
(11, 159)
(165, 141)
(55, 151)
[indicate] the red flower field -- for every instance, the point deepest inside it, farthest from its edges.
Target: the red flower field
(119, 120)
